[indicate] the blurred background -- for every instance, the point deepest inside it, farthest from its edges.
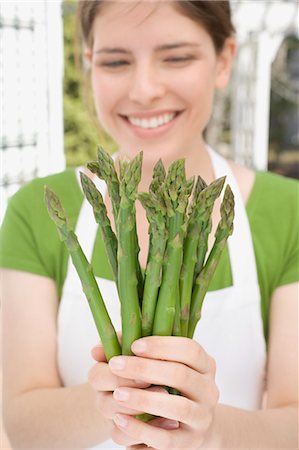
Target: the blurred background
(47, 115)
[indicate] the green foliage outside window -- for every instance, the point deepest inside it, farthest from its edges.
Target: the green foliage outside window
(82, 133)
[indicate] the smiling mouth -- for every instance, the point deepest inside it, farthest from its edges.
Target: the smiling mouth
(153, 122)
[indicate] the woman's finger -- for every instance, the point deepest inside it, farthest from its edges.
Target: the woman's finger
(123, 439)
(101, 378)
(98, 354)
(106, 403)
(173, 407)
(109, 407)
(189, 382)
(179, 349)
(157, 438)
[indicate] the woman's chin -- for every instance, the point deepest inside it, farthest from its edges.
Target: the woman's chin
(152, 153)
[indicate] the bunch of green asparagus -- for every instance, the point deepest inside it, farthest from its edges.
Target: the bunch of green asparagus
(167, 297)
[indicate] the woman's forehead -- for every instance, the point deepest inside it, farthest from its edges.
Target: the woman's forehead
(152, 23)
(135, 11)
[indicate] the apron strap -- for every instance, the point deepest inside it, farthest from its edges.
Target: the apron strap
(240, 242)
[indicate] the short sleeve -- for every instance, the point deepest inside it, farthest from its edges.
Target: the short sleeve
(28, 237)
(289, 213)
(18, 243)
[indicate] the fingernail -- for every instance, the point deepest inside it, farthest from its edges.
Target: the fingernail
(158, 389)
(120, 420)
(121, 394)
(141, 384)
(117, 363)
(138, 346)
(171, 424)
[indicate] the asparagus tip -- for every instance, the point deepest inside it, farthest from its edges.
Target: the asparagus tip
(54, 206)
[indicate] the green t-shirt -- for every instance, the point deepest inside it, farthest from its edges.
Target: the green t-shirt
(29, 240)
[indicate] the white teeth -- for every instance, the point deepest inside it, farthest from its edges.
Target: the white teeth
(154, 122)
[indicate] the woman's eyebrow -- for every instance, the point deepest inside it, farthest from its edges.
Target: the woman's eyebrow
(175, 45)
(111, 50)
(159, 48)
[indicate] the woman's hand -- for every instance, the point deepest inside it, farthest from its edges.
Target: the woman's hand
(104, 382)
(177, 362)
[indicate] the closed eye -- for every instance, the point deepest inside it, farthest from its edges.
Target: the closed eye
(114, 64)
(179, 59)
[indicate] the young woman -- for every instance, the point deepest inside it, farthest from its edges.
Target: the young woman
(154, 69)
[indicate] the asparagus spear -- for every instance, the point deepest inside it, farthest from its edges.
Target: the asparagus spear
(203, 238)
(159, 175)
(127, 279)
(123, 166)
(100, 213)
(101, 317)
(94, 167)
(155, 211)
(177, 329)
(108, 173)
(224, 230)
(199, 186)
(201, 210)
(105, 169)
(177, 191)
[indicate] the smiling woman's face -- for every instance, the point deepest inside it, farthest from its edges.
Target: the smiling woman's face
(154, 72)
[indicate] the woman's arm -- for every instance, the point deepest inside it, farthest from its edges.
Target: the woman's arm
(38, 411)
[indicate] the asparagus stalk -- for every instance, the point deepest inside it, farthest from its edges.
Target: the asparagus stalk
(201, 210)
(108, 173)
(105, 169)
(156, 212)
(96, 200)
(200, 185)
(203, 240)
(123, 166)
(159, 175)
(177, 191)
(90, 287)
(127, 279)
(177, 329)
(94, 167)
(224, 230)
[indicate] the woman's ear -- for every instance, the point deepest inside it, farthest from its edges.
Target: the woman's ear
(87, 54)
(225, 62)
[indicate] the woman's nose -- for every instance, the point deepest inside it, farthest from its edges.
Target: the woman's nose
(146, 85)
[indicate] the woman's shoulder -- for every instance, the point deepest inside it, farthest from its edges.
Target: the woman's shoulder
(64, 183)
(272, 207)
(275, 190)
(264, 186)
(57, 180)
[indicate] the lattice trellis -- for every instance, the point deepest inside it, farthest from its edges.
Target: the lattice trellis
(261, 27)
(31, 133)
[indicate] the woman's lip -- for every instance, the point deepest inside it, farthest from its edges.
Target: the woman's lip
(151, 132)
(150, 114)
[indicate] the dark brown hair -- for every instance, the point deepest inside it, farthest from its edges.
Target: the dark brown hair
(214, 16)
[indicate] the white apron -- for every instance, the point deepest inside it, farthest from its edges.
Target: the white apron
(230, 330)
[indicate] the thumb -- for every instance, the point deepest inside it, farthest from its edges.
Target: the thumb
(98, 354)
